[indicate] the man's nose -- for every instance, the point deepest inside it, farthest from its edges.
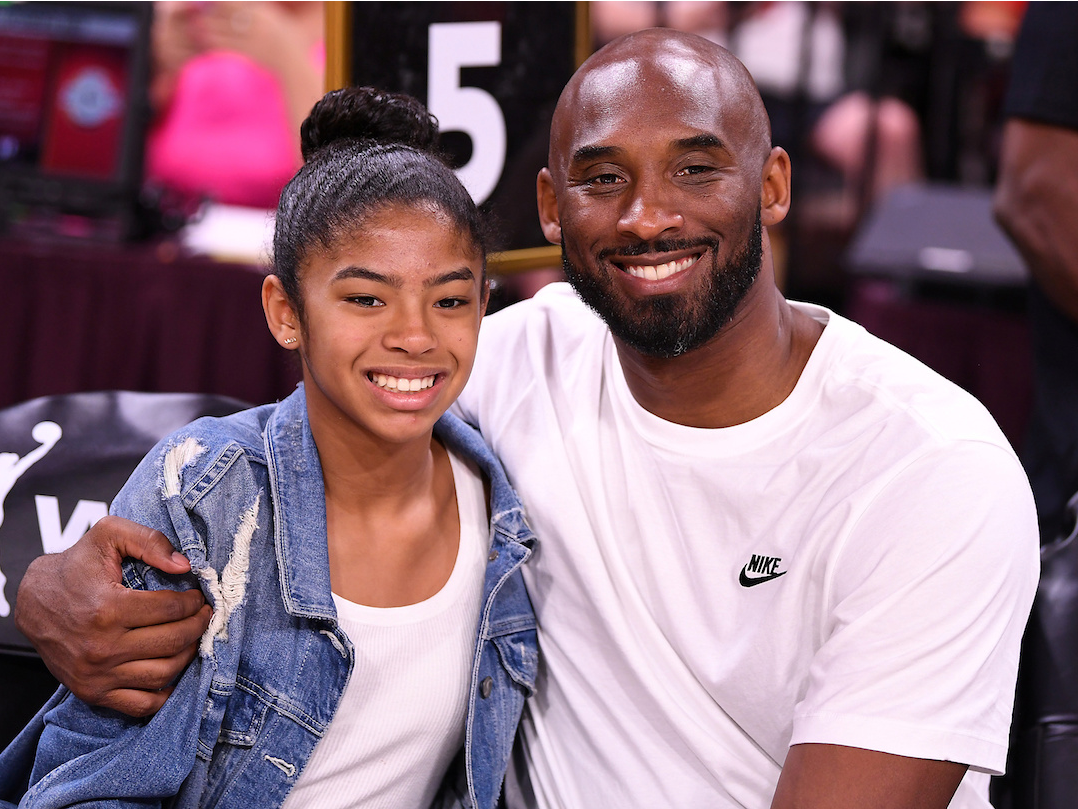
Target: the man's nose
(651, 211)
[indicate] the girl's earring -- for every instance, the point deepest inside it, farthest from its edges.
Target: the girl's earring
(290, 340)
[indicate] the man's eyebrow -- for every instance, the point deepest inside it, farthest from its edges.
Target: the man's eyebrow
(585, 153)
(394, 281)
(705, 141)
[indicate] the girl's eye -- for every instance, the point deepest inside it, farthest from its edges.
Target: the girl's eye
(451, 303)
(365, 300)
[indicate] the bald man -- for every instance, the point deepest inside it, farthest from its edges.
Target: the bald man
(781, 562)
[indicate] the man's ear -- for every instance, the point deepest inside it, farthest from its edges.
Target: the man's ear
(548, 206)
(280, 316)
(775, 188)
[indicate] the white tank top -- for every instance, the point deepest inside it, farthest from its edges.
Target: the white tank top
(401, 718)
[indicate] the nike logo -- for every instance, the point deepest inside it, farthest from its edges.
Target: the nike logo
(761, 568)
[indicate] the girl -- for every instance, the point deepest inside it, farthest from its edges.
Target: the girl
(351, 538)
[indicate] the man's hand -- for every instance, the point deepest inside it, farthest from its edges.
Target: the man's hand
(112, 646)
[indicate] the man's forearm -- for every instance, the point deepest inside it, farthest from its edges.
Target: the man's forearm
(830, 776)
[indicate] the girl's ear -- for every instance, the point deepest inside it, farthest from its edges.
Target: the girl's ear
(280, 315)
(484, 297)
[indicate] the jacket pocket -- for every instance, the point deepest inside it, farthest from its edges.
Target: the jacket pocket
(511, 627)
(519, 654)
(234, 716)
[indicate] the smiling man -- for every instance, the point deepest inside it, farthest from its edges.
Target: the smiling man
(781, 563)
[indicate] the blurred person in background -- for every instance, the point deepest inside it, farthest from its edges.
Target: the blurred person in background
(231, 84)
(1036, 203)
(797, 55)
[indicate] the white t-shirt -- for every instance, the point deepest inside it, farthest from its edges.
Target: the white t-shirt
(400, 721)
(853, 567)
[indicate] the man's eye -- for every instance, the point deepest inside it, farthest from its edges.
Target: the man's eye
(366, 301)
(692, 170)
(605, 179)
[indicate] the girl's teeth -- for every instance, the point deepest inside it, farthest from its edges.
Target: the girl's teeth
(402, 384)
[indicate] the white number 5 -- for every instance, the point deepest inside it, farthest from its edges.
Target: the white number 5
(475, 112)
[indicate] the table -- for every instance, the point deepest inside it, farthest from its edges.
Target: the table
(84, 316)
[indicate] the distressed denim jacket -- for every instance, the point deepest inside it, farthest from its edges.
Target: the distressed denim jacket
(243, 498)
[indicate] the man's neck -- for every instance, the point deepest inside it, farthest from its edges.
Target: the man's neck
(747, 369)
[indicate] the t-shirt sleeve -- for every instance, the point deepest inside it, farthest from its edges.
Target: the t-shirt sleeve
(928, 599)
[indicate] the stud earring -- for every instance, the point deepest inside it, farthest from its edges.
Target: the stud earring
(290, 340)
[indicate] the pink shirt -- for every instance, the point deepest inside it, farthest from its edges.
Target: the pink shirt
(226, 134)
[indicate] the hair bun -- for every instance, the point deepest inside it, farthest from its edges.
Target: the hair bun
(366, 113)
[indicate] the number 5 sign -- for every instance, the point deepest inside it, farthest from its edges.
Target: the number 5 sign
(475, 112)
(491, 73)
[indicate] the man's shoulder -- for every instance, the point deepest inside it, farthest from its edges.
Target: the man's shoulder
(552, 327)
(551, 340)
(864, 368)
(554, 305)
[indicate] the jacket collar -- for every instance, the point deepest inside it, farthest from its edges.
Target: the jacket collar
(299, 510)
(299, 502)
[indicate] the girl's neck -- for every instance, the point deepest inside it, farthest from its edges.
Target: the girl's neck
(374, 476)
(391, 515)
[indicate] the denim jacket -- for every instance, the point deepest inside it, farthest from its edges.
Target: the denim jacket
(243, 498)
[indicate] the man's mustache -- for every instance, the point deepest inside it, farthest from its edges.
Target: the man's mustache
(661, 246)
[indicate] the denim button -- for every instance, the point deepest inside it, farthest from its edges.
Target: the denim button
(486, 686)
(493, 556)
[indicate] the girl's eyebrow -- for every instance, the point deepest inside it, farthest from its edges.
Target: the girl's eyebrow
(394, 281)
(462, 274)
(353, 271)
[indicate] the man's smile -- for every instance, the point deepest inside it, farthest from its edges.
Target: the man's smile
(656, 272)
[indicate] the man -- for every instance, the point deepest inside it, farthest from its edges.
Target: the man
(780, 562)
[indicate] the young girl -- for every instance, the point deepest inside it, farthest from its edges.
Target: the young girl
(361, 549)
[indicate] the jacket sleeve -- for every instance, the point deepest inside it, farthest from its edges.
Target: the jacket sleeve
(87, 754)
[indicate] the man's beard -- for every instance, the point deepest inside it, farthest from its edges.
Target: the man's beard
(667, 326)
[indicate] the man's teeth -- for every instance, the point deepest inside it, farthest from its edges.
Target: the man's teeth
(659, 271)
(400, 384)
